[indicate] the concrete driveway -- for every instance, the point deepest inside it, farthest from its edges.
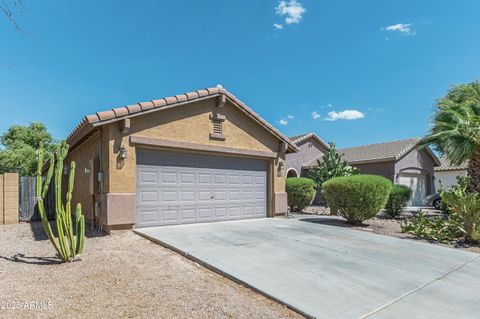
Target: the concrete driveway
(333, 272)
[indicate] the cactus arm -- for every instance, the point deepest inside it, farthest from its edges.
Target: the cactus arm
(48, 179)
(80, 223)
(38, 184)
(68, 209)
(38, 192)
(61, 239)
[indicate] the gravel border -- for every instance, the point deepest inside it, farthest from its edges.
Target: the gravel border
(118, 276)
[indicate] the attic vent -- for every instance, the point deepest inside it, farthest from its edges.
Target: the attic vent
(217, 125)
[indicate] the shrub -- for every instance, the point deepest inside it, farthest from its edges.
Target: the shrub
(300, 192)
(466, 205)
(357, 198)
(436, 228)
(462, 222)
(397, 200)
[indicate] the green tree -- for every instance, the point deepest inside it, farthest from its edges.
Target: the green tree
(331, 165)
(18, 146)
(455, 129)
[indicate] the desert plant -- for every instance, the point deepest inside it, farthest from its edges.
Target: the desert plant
(462, 221)
(466, 205)
(455, 130)
(67, 244)
(357, 198)
(397, 200)
(329, 166)
(436, 228)
(300, 192)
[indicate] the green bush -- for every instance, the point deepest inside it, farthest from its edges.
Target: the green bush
(357, 198)
(437, 228)
(461, 223)
(300, 192)
(466, 205)
(397, 200)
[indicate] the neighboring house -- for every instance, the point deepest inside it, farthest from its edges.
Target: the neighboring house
(310, 147)
(196, 157)
(400, 161)
(446, 174)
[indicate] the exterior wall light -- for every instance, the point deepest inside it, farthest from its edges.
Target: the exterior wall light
(281, 169)
(122, 152)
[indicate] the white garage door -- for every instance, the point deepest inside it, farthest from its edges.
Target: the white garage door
(181, 188)
(418, 185)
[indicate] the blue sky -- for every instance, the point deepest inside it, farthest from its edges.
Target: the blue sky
(355, 72)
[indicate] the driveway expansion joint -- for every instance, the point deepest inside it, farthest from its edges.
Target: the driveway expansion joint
(385, 306)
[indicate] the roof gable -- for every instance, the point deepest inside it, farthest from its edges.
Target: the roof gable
(297, 139)
(89, 122)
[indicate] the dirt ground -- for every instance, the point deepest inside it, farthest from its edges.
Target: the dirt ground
(381, 226)
(119, 276)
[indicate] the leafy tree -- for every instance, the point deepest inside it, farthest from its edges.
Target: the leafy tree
(455, 129)
(19, 145)
(331, 165)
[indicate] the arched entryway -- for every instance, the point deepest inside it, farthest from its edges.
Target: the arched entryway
(291, 172)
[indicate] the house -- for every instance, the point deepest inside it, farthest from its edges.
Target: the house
(310, 147)
(400, 161)
(446, 174)
(201, 156)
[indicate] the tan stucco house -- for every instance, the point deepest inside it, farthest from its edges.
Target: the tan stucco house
(201, 156)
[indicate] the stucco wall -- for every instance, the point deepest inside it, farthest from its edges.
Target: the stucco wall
(419, 159)
(448, 178)
(385, 169)
(309, 149)
(190, 123)
(84, 157)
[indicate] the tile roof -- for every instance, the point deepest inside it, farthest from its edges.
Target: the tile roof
(302, 137)
(116, 114)
(377, 152)
(297, 138)
(445, 165)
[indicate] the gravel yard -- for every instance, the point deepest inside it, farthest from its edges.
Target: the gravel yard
(119, 276)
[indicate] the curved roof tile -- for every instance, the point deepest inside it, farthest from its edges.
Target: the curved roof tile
(125, 111)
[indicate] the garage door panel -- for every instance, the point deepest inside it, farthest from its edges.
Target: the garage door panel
(417, 183)
(177, 188)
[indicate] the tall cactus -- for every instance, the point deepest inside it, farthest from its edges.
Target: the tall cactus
(67, 244)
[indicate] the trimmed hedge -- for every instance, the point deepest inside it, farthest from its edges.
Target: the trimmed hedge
(300, 192)
(397, 200)
(357, 198)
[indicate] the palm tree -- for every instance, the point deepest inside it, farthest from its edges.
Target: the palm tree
(455, 130)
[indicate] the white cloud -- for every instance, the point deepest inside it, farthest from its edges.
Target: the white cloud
(290, 117)
(291, 9)
(315, 115)
(283, 122)
(404, 28)
(344, 115)
(278, 26)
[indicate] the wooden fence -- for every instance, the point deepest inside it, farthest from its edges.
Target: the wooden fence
(28, 201)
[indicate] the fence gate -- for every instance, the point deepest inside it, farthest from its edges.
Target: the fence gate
(28, 202)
